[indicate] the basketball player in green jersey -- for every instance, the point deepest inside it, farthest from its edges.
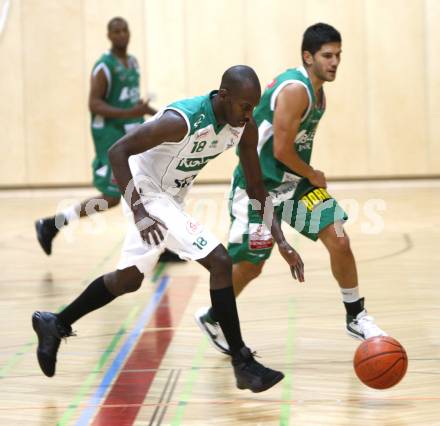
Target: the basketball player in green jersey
(287, 118)
(116, 109)
(155, 167)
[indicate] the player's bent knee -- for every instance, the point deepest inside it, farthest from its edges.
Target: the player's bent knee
(341, 244)
(223, 262)
(248, 270)
(132, 285)
(124, 281)
(255, 270)
(220, 261)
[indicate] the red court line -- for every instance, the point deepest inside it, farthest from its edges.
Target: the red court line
(129, 390)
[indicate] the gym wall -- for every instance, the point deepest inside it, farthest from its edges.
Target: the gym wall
(381, 110)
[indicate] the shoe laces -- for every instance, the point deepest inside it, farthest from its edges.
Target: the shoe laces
(70, 334)
(368, 326)
(254, 367)
(65, 332)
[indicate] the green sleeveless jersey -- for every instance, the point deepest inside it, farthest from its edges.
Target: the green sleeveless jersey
(122, 88)
(276, 175)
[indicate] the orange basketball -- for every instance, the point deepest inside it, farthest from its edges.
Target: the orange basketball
(380, 362)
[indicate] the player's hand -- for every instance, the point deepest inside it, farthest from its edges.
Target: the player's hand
(318, 179)
(142, 108)
(294, 260)
(150, 228)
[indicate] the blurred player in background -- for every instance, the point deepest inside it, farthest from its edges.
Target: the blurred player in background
(116, 109)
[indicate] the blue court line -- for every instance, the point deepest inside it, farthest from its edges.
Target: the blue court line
(95, 400)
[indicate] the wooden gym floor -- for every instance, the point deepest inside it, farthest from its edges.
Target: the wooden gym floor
(143, 361)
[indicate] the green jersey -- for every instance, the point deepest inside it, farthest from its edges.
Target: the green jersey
(122, 89)
(278, 178)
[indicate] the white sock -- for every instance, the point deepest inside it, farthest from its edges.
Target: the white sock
(350, 295)
(71, 214)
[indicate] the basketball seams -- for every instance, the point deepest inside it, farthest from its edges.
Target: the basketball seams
(369, 382)
(391, 341)
(377, 355)
(377, 362)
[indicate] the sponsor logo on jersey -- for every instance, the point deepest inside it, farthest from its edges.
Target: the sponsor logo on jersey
(231, 143)
(315, 197)
(283, 192)
(304, 140)
(193, 227)
(235, 132)
(182, 183)
(272, 83)
(201, 133)
(260, 237)
(191, 164)
(213, 144)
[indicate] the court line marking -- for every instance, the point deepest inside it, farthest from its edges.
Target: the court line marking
(162, 396)
(147, 353)
(170, 395)
(97, 369)
(408, 245)
(190, 381)
(96, 399)
(105, 356)
(287, 386)
(26, 348)
(240, 401)
(162, 409)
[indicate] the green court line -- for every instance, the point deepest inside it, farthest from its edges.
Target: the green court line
(97, 369)
(13, 360)
(288, 381)
(17, 356)
(160, 267)
(85, 387)
(192, 377)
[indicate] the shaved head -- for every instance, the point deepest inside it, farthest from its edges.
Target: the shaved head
(239, 78)
(239, 93)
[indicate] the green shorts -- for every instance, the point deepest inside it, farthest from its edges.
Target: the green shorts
(309, 210)
(103, 179)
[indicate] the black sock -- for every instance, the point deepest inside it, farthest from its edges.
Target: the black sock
(225, 312)
(354, 308)
(95, 296)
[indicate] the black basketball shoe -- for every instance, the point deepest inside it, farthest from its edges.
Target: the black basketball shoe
(252, 375)
(46, 232)
(50, 331)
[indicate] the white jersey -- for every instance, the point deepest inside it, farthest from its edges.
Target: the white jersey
(171, 167)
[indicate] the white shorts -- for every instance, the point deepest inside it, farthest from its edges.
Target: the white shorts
(184, 236)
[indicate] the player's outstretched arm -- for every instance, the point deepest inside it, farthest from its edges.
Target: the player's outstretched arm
(170, 127)
(256, 191)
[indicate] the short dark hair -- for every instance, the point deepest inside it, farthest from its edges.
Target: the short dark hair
(317, 35)
(114, 20)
